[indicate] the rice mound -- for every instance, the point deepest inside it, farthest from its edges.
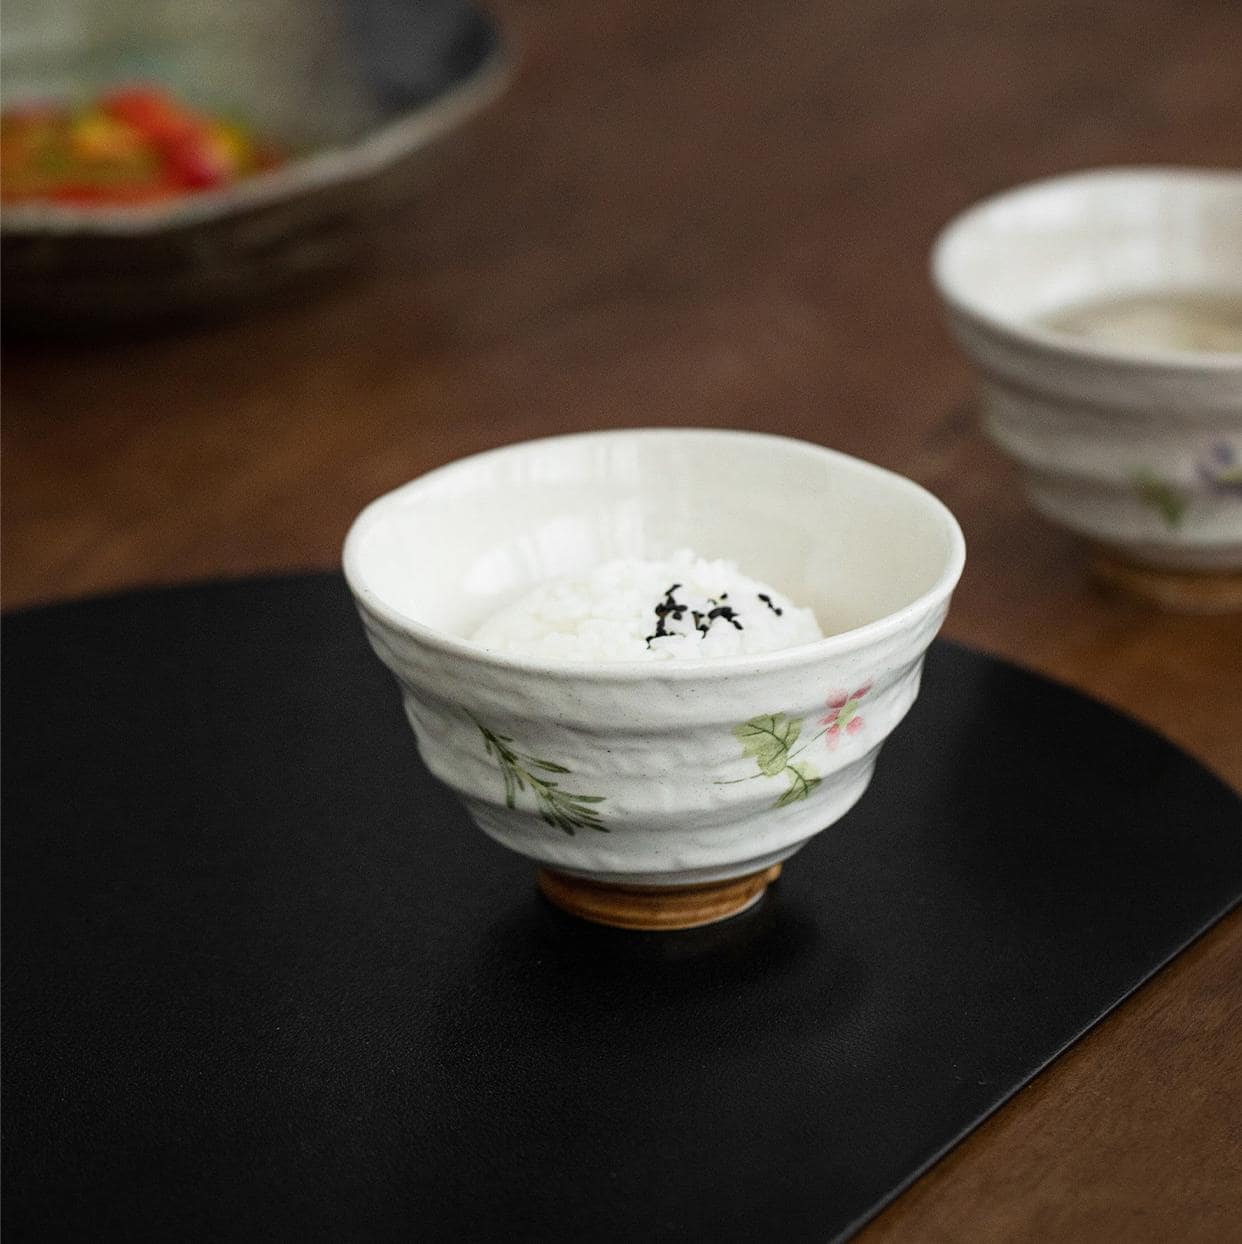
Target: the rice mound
(624, 610)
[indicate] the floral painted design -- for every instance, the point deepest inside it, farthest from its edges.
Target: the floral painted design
(772, 742)
(562, 809)
(843, 716)
(768, 741)
(1167, 499)
(1221, 469)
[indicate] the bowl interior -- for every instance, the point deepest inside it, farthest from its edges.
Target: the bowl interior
(1093, 236)
(851, 540)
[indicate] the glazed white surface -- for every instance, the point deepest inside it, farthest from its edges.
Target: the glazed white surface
(655, 746)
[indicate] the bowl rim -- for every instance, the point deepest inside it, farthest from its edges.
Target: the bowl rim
(1049, 340)
(837, 644)
(335, 165)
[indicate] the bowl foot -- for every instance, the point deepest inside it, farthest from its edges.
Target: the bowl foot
(1176, 591)
(655, 907)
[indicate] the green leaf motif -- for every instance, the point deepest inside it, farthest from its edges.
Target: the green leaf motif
(802, 780)
(768, 739)
(1160, 495)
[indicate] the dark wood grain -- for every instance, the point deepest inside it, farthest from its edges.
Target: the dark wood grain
(719, 214)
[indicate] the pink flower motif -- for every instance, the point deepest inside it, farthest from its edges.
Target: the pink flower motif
(843, 713)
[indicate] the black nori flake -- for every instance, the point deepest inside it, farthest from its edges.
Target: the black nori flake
(671, 608)
(767, 600)
(726, 612)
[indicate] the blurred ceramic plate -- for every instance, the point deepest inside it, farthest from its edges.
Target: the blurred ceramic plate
(356, 89)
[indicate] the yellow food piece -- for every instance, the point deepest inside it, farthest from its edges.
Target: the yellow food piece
(96, 136)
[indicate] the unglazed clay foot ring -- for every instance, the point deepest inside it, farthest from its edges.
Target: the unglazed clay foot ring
(1176, 591)
(655, 907)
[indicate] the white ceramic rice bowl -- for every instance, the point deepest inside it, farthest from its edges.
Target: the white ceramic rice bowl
(670, 773)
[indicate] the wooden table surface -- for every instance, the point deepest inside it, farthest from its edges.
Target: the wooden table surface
(719, 214)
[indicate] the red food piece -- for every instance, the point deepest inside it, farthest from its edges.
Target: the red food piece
(196, 163)
(150, 111)
(134, 145)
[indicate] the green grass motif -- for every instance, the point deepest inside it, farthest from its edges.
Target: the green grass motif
(562, 809)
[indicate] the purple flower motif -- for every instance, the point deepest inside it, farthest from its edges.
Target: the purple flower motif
(1221, 468)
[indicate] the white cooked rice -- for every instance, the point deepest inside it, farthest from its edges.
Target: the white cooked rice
(609, 614)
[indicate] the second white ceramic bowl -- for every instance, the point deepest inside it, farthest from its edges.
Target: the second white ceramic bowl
(670, 773)
(1138, 449)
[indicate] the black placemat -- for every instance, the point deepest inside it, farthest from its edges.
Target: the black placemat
(264, 981)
